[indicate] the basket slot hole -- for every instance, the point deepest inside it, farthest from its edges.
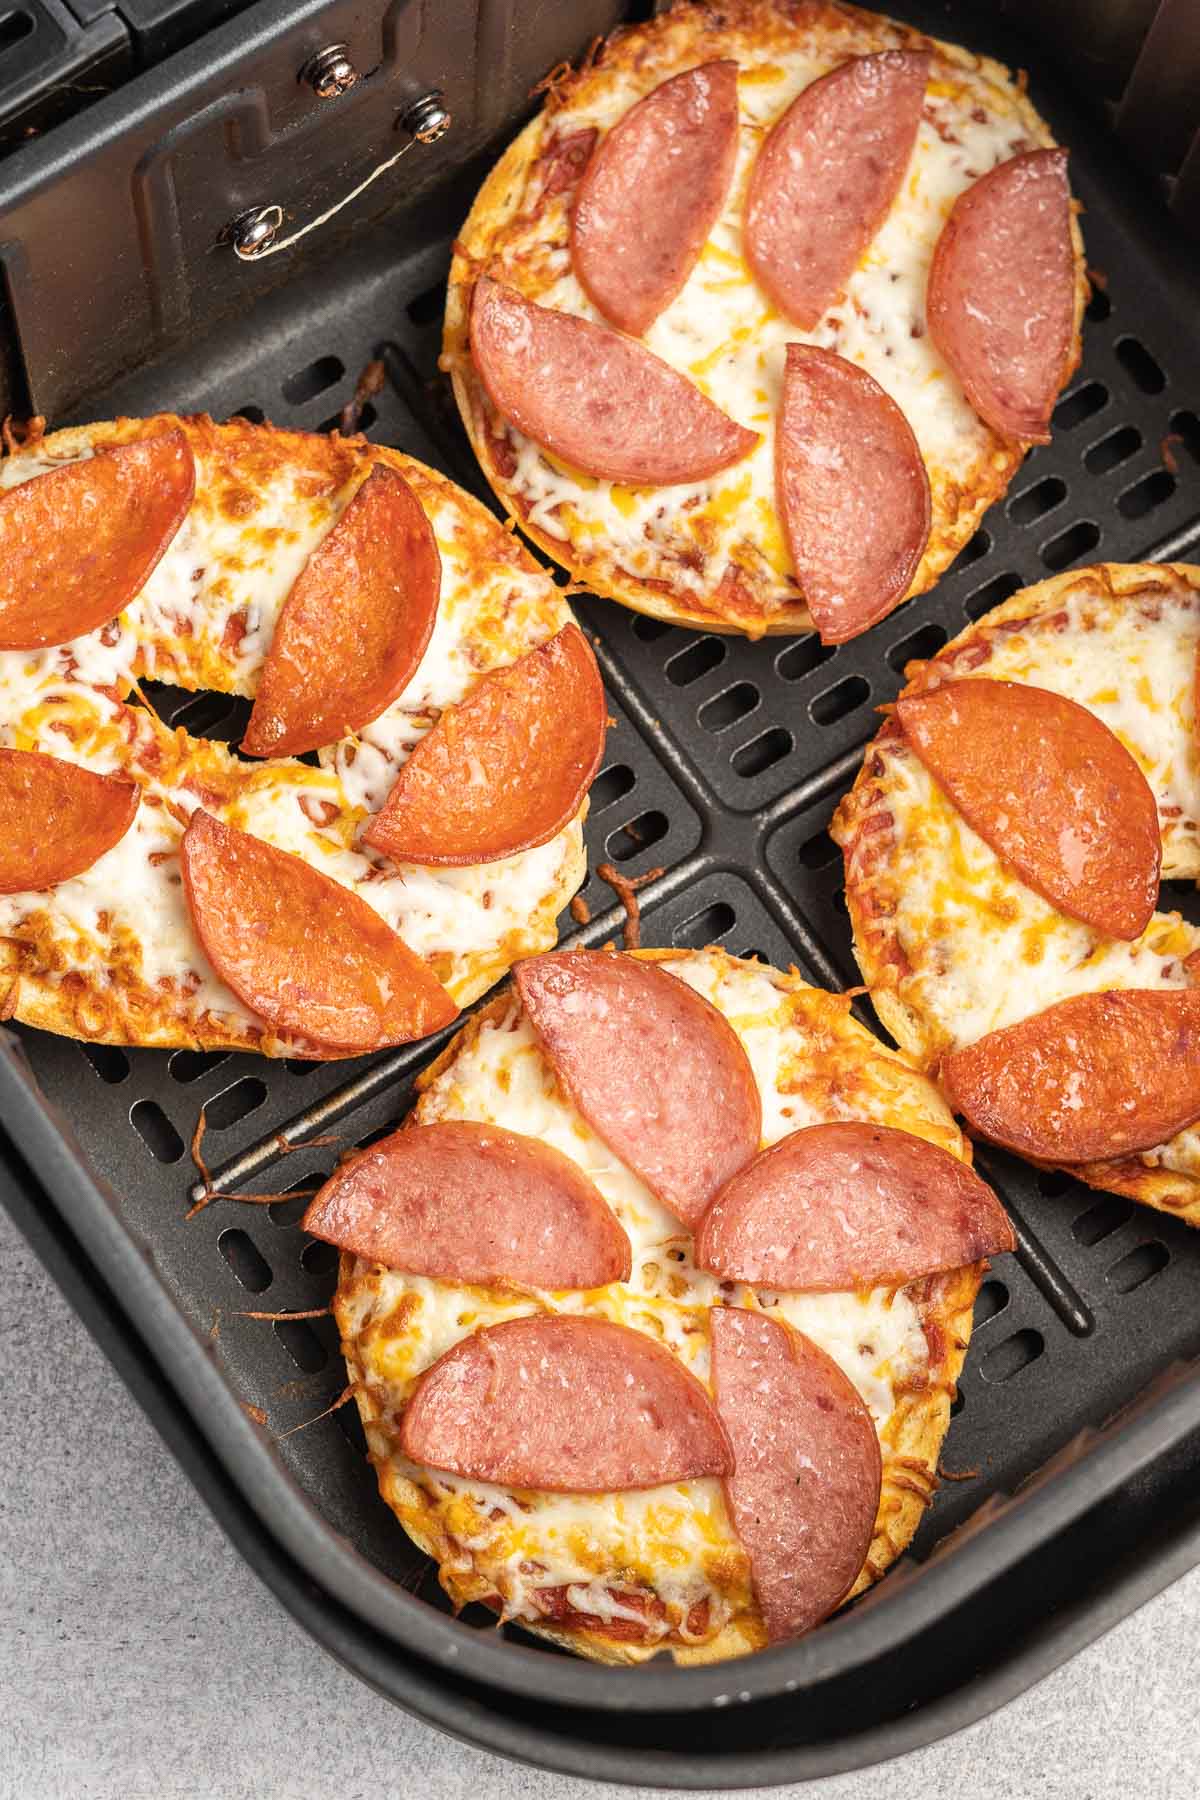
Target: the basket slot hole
(992, 593)
(313, 379)
(301, 1065)
(726, 708)
(374, 1137)
(958, 1404)
(1070, 544)
(974, 550)
(189, 1065)
(109, 1061)
(1100, 1221)
(754, 956)
(319, 1258)
(992, 1299)
(1134, 357)
(234, 1103)
(918, 646)
(1099, 307)
(302, 1344)
(650, 630)
(1034, 502)
(1146, 494)
(1074, 408)
(253, 415)
(698, 659)
(839, 700)
(290, 1212)
(705, 927)
(350, 1425)
(802, 657)
(1013, 1355)
(426, 307)
(1141, 1265)
(762, 752)
(366, 418)
(156, 1131)
(818, 852)
(1186, 426)
(1113, 450)
(611, 784)
(245, 1259)
(640, 833)
(1054, 1183)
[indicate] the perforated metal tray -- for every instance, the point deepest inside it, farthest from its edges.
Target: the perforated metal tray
(722, 769)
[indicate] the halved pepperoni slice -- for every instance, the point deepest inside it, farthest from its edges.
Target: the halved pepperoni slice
(465, 1202)
(355, 625)
(506, 768)
(807, 1469)
(852, 489)
(574, 1405)
(1092, 1078)
(598, 400)
(78, 543)
(58, 819)
(1051, 789)
(656, 1071)
(826, 177)
(300, 950)
(850, 1205)
(1001, 295)
(653, 192)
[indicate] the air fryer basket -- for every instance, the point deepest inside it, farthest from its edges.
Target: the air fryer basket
(722, 770)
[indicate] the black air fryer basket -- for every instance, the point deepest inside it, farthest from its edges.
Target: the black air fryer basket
(1075, 1448)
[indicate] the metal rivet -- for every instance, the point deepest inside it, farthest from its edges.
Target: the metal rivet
(329, 72)
(427, 119)
(252, 230)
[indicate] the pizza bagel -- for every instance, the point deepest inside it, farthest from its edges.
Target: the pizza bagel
(405, 820)
(760, 313)
(654, 1309)
(1004, 847)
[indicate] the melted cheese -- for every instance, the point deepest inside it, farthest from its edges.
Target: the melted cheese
(723, 334)
(206, 618)
(812, 1063)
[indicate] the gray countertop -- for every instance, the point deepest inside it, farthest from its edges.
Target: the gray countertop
(139, 1659)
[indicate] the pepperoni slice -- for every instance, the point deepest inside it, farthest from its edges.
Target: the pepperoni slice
(78, 543)
(1001, 295)
(826, 177)
(850, 1205)
(505, 769)
(300, 950)
(598, 400)
(655, 1070)
(58, 819)
(465, 1202)
(808, 1472)
(355, 625)
(575, 1405)
(653, 192)
(1051, 789)
(852, 490)
(1092, 1078)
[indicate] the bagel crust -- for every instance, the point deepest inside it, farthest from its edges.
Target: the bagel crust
(950, 941)
(621, 1578)
(711, 554)
(111, 955)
